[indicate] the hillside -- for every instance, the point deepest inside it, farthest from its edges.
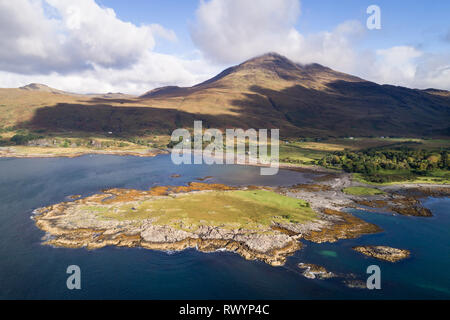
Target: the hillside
(37, 87)
(269, 91)
(310, 100)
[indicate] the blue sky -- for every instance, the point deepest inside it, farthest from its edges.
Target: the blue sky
(136, 45)
(173, 14)
(404, 22)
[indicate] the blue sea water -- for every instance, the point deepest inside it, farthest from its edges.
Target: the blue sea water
(29, 270)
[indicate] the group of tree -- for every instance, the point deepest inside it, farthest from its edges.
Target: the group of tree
(374, 164)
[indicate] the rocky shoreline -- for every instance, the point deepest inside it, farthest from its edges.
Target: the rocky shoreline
(67, 225)
(403, 199)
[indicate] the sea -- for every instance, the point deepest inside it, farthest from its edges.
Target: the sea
(30, 270)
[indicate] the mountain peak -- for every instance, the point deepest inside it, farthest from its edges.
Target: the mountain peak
(35, 87)
(269, 60)
(270, 56)
(41, 88)
(271, 70)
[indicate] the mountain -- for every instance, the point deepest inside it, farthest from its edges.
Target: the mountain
(110, 95)
(269, 71)
(309, 100)
(37, 87)
(269, 91)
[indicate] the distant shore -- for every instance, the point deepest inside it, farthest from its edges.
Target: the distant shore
(43, 152)
(46, 152)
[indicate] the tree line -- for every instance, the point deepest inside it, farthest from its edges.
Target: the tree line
(381, 165)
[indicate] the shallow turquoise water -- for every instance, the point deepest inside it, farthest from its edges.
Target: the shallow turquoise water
(32, 271)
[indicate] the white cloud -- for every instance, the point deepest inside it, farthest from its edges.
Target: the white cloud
(28, 40)
(410, 67)
(230, 31)
(80, 35)
(433, 71)
(397, 64)
(97, 36)
(234, 30)
(335, 48)
(152, 70)
(78, 46)
(160, 31)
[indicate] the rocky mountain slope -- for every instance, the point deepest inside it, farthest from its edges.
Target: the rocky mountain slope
(269, 91)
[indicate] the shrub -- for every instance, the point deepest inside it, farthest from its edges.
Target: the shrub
(21, 139)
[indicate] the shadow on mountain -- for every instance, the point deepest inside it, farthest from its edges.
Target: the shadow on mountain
(353, 109)
(342, 109)
(122, 121)
(106, 101)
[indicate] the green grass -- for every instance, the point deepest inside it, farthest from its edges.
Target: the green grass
(308, 152)
(432, 177)
(294, 153)
(256, 209)
(362, 191)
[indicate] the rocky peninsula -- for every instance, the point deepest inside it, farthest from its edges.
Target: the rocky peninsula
(255, 222)
(263, 223)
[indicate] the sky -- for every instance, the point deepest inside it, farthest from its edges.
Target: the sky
(91, 46)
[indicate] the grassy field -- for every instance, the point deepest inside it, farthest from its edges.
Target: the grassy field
(255, 209)
(60, 144)
(308, 152)
(296, 153)
(442, 178)
(362, 191)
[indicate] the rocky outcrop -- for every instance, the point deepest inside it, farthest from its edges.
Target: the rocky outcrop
(341, 225)
(76, 233)
(407, 206)
(383, 253)
(404, 199)
(355, 284)
(313, 271)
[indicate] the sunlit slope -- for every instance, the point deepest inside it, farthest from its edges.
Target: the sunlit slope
(272, 91)
(269, 91)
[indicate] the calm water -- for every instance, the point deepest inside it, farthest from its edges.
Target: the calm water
(31, 271)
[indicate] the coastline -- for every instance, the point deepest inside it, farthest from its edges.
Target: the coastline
(68, 226)
(325, 196)
(309, 253)
(11, 152)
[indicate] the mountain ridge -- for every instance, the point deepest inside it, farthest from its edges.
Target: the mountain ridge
(309, 99)
(269, 91)
(271, 63)
(39, 87)
(42, 88)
